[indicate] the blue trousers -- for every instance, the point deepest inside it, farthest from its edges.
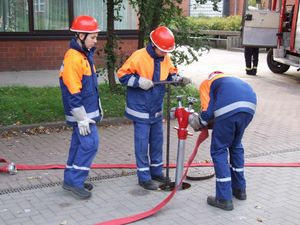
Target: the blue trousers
(148, 143)
(227, 137)
(81, 154)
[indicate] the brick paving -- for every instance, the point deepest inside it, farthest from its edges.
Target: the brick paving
(36, 197)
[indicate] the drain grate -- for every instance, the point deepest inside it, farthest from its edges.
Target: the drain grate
(59, 183)
(123, 173)
(27, 188)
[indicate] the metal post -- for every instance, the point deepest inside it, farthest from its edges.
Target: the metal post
(167, 184)
(179, 162)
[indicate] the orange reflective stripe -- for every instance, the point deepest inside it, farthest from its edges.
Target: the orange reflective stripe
(74, 67)
(204, 94)
(141, 63)
(204, 90)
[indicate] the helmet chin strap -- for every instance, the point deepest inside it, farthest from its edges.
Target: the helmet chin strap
(83, 41)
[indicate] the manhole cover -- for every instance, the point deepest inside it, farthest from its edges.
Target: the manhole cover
(200, 173)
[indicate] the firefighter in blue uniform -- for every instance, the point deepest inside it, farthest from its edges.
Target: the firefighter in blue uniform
(144, 102)
(230, 103)
(78, 82)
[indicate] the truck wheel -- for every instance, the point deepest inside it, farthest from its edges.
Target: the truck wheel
(276, 67)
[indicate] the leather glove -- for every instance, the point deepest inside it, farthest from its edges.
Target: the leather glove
(194, 122)
(145, 84)
(182, 80)
(82, 120)
(186, 80)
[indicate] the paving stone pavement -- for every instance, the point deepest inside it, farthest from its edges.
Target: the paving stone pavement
(36, 197)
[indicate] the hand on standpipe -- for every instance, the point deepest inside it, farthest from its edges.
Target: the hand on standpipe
(194, 122)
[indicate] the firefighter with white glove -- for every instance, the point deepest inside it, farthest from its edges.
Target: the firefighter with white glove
(144, 101)
(78, 83)
(82, 120)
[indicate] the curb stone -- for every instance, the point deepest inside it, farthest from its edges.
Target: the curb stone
(22, 128)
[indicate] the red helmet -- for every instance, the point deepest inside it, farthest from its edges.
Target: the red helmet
(85, 24)
(213, 74)
(163, 38)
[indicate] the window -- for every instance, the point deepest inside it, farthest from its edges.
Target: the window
(97, 9)
(53, 17)
(206, 9)
(14, 16)
(39, 5)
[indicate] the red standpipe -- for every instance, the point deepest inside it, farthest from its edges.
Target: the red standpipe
(182, 115)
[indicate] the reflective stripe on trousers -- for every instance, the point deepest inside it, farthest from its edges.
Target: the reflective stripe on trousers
(81, 154)
(148, 138)
(226, 137)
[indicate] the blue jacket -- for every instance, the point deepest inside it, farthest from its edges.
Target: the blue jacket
(78, 82)
(145, 106)
(223, 96)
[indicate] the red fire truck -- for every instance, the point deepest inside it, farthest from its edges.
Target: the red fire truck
(277, 28)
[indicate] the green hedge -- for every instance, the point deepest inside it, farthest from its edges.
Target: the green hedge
(231, 23)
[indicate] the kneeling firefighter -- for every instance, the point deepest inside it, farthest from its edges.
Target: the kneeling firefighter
(230, 103)
(78, 82)
(144, 102)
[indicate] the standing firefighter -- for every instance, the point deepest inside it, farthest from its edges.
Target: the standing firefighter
(78, 82)
(230, 103)
(251, 60)
(144, 102)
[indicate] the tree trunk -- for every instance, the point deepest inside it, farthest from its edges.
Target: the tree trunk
(156, 15)
(142, 24)
(109, 48)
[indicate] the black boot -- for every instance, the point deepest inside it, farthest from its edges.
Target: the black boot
(254, 71)
(222, 204)
(249, 71)
(78, 192)
(161, 179)
(239, 194)
(149, 185)
(88, 186)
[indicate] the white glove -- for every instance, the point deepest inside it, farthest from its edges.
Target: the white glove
(82, 120)
(194, 122)
(145, 83)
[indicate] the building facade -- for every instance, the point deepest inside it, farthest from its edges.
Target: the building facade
(34, 34)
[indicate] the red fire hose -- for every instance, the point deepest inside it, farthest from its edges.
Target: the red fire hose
(19, 167)
(125, 220)
(202, 136)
